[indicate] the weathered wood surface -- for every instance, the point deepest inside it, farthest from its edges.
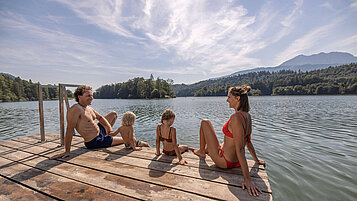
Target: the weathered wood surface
(116, 173)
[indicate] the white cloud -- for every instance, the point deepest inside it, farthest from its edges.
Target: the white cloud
(214, 39)
(43, 46)
(291, 18)
(353, 5)
(288, 22)
(327, 5)
(348, 44)
(352, 40)
(189, 37)
(108, 15)
(306, 42)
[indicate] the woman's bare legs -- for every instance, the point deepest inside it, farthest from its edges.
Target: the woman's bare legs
(208, 141)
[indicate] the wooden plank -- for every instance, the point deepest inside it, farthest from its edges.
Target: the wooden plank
(13, 191)
(59, 187)
(205, 170)
(96, 160)
(147, 152)
(164, 166)
(105, 180)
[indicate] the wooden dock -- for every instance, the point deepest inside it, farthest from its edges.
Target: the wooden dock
(115, 173)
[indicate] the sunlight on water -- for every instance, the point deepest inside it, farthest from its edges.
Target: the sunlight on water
(308, 142)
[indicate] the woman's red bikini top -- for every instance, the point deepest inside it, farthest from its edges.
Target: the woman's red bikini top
(229, 134)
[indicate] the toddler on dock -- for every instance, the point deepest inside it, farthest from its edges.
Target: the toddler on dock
(167, 134)
(126, 131)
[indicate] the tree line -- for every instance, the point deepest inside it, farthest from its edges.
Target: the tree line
(15, 89)
(137, 88)
(332, 80)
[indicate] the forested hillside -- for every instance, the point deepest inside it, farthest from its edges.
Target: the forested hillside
(15, 89)
(137, 88)
(332, 80)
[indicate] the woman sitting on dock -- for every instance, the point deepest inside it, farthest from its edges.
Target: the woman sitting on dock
(237, 132)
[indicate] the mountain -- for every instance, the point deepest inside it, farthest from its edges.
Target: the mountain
(8, 75)
(307, 63)
(332, 80)
(322, 58)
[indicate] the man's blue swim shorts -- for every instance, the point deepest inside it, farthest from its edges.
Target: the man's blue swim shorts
(101, 141)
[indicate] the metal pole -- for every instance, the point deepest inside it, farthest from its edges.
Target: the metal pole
(40, 105)
(61, 114)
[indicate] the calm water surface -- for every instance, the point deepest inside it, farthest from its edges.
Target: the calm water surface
(308, 142)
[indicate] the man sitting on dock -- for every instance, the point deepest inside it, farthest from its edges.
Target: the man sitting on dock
(82, 117)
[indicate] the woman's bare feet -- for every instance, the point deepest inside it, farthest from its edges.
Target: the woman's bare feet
(199, 153)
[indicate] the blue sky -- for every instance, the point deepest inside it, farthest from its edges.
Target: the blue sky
(99, 42)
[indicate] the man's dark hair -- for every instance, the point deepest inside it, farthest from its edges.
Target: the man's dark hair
(81, 90)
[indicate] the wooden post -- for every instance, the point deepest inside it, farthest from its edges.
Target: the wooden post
(66, 98)
(61, 113)
(40, 105)
(67, 102)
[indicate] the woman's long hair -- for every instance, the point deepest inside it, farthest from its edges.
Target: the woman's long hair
(241, 91)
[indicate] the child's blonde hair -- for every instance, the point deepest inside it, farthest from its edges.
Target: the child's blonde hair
(167, 114)
(128, 119)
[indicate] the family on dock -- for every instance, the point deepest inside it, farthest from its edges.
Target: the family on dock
(231, 153)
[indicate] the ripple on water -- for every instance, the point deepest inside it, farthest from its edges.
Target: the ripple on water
(308, 142)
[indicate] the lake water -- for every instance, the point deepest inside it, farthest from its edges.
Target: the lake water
(308, 142)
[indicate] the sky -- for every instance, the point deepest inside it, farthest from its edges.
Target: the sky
(99, 42)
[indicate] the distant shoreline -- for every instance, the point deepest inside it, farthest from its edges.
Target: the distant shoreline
(188, 97)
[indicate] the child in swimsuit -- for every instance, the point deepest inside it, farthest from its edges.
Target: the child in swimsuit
(167, 135)
(126, 131)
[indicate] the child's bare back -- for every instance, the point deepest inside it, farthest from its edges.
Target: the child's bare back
(126, 131)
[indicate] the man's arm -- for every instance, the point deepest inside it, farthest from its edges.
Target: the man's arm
(104, 123)
(72, 118)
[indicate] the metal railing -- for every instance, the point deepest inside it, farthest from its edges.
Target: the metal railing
(62, 95)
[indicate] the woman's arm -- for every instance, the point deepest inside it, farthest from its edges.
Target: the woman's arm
(157, 140)
(238, 137)
(251, 147)
(174, 141)
(252, 152)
